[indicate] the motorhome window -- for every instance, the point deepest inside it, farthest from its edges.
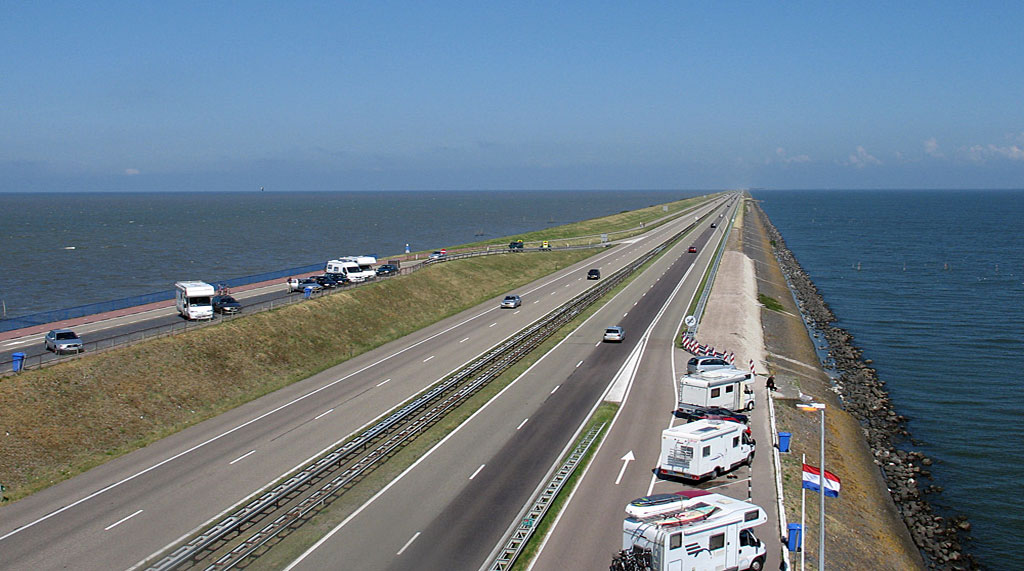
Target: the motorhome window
(729, 388)
(715, 393)
(706, 451)
(675, 541)
(199, 300)
(716, 542)
(735, 442)
(751, 515)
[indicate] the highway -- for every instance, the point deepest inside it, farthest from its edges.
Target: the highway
(451, 510)
(130, 509)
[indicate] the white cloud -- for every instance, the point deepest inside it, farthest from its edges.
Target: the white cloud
(862, 158)
(983, 153)
(931, 147)
(131, 172)
(787, 159)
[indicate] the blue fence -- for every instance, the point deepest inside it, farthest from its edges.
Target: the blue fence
(45, 317)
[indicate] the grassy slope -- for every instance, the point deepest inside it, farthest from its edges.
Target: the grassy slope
(65, 419)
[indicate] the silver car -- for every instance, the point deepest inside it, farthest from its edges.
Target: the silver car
(701, 364)
(511, 302)
(63, 341)
(614, 334)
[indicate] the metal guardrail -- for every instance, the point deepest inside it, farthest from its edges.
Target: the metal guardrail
(297, 498)
(520, 535)
(702, 302)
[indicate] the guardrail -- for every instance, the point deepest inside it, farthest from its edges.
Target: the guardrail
(301, 495)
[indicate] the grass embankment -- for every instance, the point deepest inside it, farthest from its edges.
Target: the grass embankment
(62, 420)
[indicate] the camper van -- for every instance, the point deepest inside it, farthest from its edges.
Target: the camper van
(705, 448)
(706, 532)
(725, 388)
(355, 268)
(194, 299)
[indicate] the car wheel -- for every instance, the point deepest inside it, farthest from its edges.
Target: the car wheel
(757, 564)
(750, 459)
(750, 406)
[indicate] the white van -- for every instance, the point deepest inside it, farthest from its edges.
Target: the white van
(705, 448)
(355, 268)
(707, 532)
(194, 299)
(725, 388)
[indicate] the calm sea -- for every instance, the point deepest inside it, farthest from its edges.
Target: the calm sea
(60, 250)
(931, 285)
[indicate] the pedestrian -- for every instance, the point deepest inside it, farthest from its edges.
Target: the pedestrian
(770, 383)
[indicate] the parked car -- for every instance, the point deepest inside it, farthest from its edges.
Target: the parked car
(614, 334)
(712, 413)
(63, 341)
(545, 245)
(516, 245)
(437, 255)
(225, 304)
(387, 270)
(325, 281)
(300, 284)
(511, 302)
(341, 279)
(594, 274)
(692, 250)
(701, 364)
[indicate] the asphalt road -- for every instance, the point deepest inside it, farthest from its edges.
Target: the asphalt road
(131, 508)
(451, 509)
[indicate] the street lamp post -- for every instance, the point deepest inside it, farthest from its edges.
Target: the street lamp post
(820, 407)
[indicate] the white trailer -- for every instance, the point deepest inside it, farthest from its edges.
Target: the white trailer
(194, 299)
(355, 268)
(704, 448)
(726, 388)
(708, 532)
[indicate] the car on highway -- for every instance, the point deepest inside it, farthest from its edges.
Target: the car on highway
(692, 250)
(63, 341)
(701, 364)
(387, 270)
(516, 245)
(341, 279)
(511, 302)
(437, 255)
(713, 225)
(614, 334)
(325, 281)
(594, 274)
(712, 413)
(226, 304)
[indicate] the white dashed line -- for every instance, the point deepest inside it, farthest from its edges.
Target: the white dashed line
(325, 413)
(522, 423)
(492, 325)
(477, 471)
(580, 363)
(381, 384)
(464, 340)
(554, 389)
(598, 344)
(244, 455)
(120, 521)
(538, 301)
(516, 311)
(408, 543)
(625, 314)
(429, 358)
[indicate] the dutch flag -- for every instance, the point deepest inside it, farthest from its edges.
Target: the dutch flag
(812, 477)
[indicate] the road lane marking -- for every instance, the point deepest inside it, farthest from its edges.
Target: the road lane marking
(625, 462)
(477, 471)
(578, 364)
(598, 344)
(250, 452)
(554, 389)
(538, 301)
(380, 384)
(625, 314)
(120, 521)
(429, 358)
(408, 543)
(323, 414)
(464, 340)
(522, 423)
(516, 311)
(492, 325)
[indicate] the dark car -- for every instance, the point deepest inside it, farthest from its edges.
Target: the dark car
(594, 274)
(713, 225)
(341, 279)
(387, 270)
(325, 281)
(712, 413)
(693, 249)
(225, 304)
(63, 341)
(515, 245)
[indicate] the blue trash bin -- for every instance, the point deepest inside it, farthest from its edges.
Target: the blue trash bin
(19, 361)
(784, 441)
(795, 537)
(307, 291)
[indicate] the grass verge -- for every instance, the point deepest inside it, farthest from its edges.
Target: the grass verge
(769, 302)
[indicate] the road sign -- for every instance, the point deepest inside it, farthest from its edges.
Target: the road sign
(690, 321)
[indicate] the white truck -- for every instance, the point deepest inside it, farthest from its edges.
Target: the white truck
(706, 532)
(697, 450)
(194, 299)
(726, 388)
(356, 268)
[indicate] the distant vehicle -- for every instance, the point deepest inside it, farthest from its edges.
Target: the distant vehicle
(194, 299)
(325, 281)
(387, 270)
(545, 245)
(711, 413)
(614, 334)
(341, 279)
(594, 274)
(701, 364)
(705, 448)
(692, 250)
(300, 284)
(437, 254)
(511, 302)
(63, 341)
(713, 225)
(355, 268)
(226, 304)
(516, 245)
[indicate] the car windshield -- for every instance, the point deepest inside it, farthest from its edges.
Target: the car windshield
(66, 335)
(510, 298)
(227, 299)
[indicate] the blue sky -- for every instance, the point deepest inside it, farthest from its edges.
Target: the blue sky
(470, 95)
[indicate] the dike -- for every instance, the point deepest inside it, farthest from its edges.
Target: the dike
(863, 395)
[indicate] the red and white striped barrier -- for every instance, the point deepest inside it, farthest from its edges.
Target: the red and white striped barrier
(691, 345)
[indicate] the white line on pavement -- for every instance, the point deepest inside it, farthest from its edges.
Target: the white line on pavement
(120, 521)
(244, 455)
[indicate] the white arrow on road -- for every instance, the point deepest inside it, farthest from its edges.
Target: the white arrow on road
(625, 462)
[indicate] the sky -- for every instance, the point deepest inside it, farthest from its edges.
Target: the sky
(160, 96)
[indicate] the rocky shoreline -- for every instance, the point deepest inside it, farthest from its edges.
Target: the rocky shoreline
(863, 395)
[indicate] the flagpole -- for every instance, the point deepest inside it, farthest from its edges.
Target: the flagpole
(803, 530)
(821, 492)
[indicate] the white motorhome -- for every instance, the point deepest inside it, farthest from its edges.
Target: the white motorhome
(704, 448)
(708, 532)
(194, 299)
(726, 388)
(355, 268)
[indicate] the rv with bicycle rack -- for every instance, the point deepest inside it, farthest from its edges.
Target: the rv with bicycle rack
(704, 448)
(726, 388)
(194, 299)
(355, 268)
